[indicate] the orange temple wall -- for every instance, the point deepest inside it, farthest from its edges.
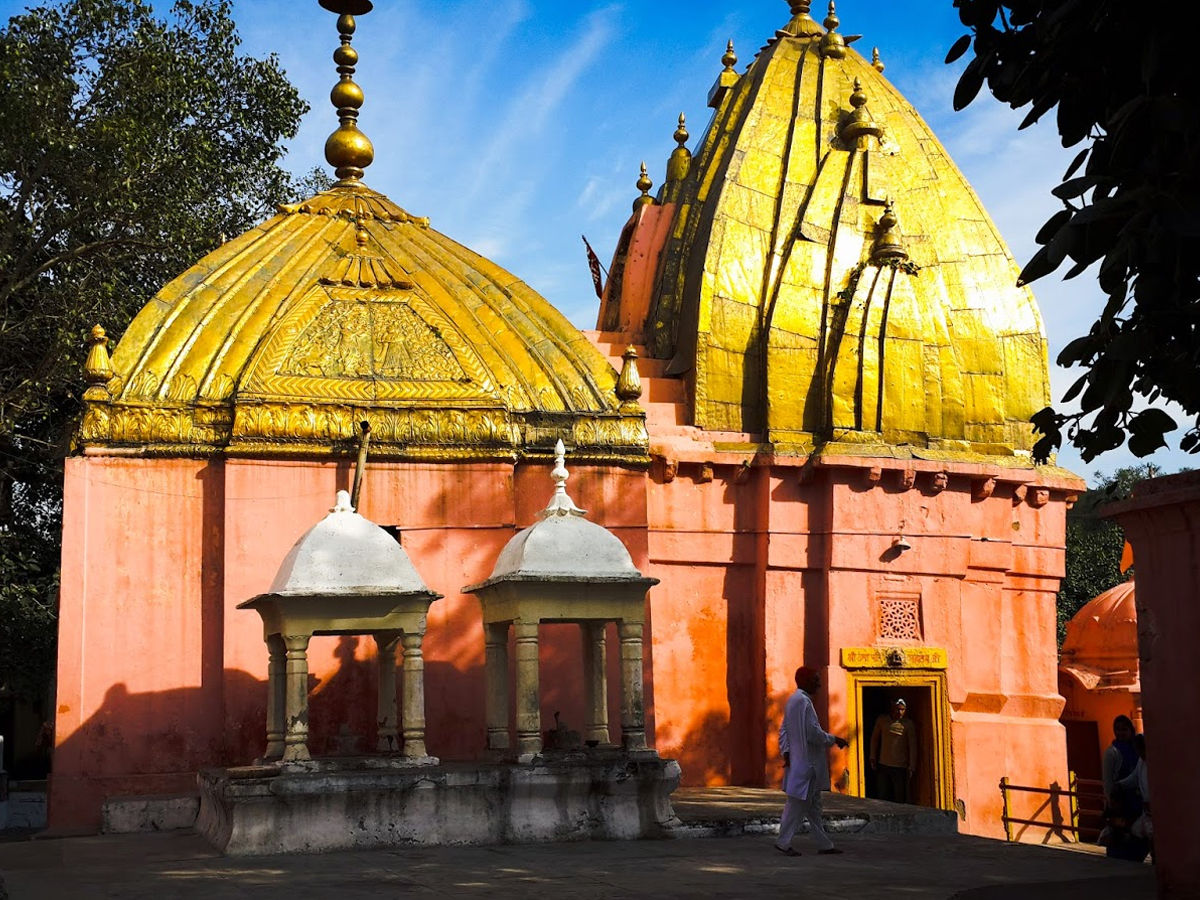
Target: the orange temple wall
(762, 569)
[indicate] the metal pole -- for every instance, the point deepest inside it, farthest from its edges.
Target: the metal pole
(359, 467)
(3, 788)
(1073, 784)
(1007, 811)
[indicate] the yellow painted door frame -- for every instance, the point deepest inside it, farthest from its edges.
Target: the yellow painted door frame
(860, 734)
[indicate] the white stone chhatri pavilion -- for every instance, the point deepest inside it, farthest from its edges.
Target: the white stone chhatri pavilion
(563, 568)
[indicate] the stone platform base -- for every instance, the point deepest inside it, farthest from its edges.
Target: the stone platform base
(352, 804)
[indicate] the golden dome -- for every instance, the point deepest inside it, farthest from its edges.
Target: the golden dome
(830, 275)
(344, 309)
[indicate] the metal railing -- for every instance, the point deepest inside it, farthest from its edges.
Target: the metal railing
(1077, 788)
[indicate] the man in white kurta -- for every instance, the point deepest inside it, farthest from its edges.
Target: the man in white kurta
(804, 746)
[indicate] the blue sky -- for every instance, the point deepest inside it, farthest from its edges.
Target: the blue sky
(517, 125)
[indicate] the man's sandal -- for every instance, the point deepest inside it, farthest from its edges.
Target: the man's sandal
(787, 851)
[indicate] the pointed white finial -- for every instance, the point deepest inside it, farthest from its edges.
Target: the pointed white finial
(560, 504)
(343, 503)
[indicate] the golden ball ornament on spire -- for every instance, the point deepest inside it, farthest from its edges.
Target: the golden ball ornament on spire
(643, 184)
(833, 45)
(681, 158)
(348, 150)
(859, 123)
(889, 241)
(729, 60)
(681, 133)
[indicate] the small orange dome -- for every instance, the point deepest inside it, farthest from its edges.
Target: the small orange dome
(1103, 634)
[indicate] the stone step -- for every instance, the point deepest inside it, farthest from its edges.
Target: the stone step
(610, 337)
(737, 811)
(663, 390)
(668, 414)
(131, 815)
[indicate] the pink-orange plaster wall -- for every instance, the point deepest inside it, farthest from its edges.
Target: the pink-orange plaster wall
(803, 558)
(761, 570)
(1162, 524)
(160, 673)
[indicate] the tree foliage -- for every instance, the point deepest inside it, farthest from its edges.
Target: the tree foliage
(130, 144)
(1118, 76)
(1095, 544)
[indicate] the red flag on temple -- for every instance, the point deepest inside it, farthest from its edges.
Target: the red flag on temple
(594, 265)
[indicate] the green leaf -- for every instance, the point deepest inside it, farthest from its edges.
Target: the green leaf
(959, 48)
(1074, 187)
(1076, 163)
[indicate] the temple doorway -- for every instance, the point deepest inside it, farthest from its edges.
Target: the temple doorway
(871, 694)
(877, 701)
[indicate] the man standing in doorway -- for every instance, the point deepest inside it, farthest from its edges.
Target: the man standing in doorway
(894, 753)
(804, 745)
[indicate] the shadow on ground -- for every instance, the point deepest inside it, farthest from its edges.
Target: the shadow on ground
(181, 865)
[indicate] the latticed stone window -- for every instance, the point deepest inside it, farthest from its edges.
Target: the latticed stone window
(900, 618)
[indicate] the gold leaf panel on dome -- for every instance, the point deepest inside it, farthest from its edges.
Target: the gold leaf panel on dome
(345, 309)
(830, 276)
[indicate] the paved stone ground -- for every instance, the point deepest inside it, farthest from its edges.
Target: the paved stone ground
(929, 867)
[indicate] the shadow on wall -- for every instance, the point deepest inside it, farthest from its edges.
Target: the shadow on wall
(711, 742)
(154, 742)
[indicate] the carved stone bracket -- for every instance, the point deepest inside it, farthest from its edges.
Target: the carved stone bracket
(982, 488)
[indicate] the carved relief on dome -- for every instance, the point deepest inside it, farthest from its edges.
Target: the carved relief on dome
(363, 345)
(355, 339)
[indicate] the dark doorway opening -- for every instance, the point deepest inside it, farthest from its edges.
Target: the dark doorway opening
(876, 702)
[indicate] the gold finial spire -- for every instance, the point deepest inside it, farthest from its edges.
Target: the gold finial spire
(643, 184)
(348, 150)
(858, 97)
(876, 61)
(729, 60)
(889, 240)
(833, 45)
(681, 158)
(726, 78)
(859, 123)
(681, 133)
(831, 20)
(98, 370)
(800, 7)
(629, 384)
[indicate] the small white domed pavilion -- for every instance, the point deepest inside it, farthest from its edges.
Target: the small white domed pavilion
(345, 576)
(563, 568)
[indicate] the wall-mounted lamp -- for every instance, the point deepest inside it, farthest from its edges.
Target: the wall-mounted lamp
(900, 544)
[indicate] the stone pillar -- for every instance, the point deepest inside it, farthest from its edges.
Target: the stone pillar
(1162, 524)
(414, 696)
(529, 706)
(496, 675)
(388, 717)
(276, 697)
(296, 698)
(633, 717)
(595, 682)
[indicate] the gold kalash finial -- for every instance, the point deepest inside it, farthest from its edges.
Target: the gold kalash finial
(348, 150)
(643, 184)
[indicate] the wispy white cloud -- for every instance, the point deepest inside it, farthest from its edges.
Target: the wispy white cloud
(530, 112)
